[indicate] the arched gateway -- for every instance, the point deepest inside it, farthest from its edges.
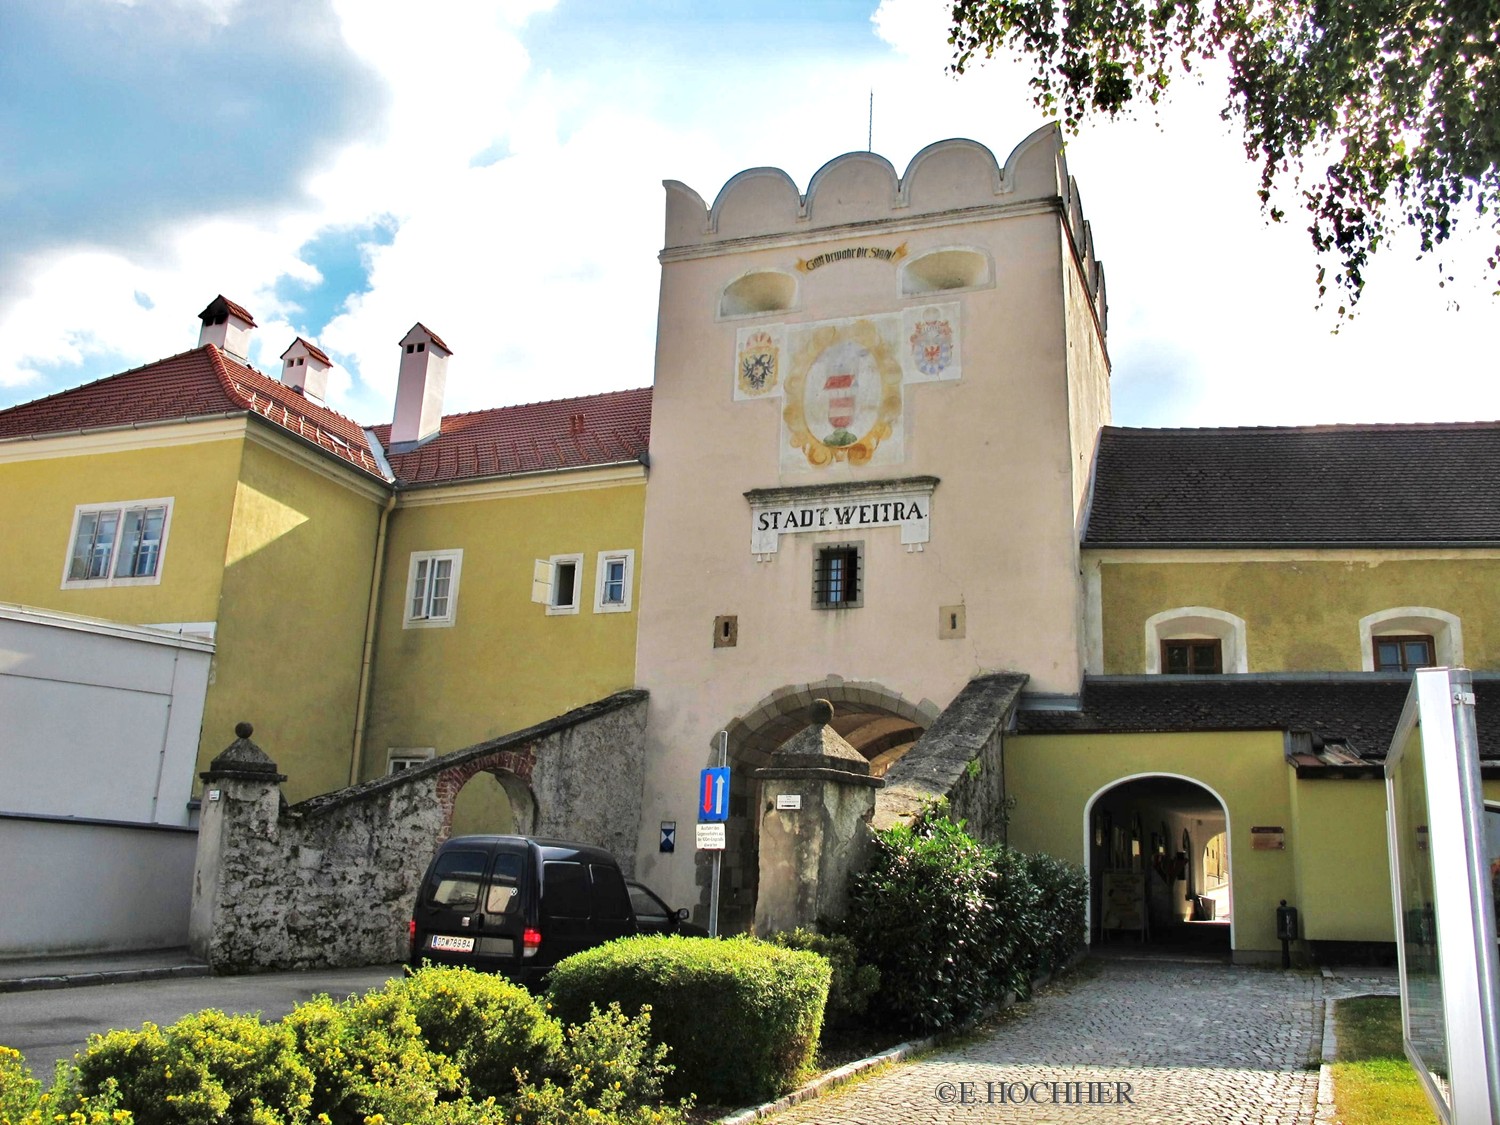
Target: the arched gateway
(1156, 848)
(881, 724)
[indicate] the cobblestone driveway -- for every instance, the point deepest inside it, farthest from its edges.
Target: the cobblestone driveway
(1138, 1041)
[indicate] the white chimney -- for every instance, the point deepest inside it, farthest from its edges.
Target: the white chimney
(226, 326)
(304, 368)
(419, 388)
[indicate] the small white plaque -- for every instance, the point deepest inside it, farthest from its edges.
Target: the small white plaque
(710, 837)
(788, 801)
(213, 794)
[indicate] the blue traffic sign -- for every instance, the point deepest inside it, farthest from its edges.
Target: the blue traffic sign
(713, 794)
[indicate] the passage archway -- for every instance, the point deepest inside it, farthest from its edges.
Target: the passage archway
(876, 721)
(1160, 868)
(494, 802)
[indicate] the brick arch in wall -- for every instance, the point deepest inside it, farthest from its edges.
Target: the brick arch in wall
(879, 722)
(512, 768)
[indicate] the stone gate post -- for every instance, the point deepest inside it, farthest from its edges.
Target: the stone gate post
(817, 798)
(241, 806)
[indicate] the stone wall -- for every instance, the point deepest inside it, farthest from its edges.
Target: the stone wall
(331, 881)
(960, 758)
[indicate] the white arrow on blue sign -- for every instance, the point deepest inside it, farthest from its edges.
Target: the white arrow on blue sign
(713, 794)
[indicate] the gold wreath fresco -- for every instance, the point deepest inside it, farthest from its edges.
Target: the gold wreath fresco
(843, 393)
(841, 380)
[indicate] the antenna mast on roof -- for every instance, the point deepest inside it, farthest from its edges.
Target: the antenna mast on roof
(870, 136)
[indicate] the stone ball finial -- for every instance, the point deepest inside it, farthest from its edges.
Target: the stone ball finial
(821, 712)
(243, 759)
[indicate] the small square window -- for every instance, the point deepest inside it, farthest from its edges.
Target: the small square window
(612, 595)
(1192, 657)
(1403, 654)
(119, 544)
(399, 758)
(432, 589)
(838, 577)
(555, 583)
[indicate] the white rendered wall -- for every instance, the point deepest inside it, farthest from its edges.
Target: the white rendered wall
(100, 720)
(93, 888)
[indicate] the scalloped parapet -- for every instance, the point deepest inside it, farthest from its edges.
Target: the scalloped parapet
(957, 176)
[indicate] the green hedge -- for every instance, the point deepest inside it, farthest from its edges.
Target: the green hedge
(1062, 899)
(206, 1068)
(442, 1047)
(741, 1016)
(368, 1056)
(852, 984)
(490, 1027)
(953, 925)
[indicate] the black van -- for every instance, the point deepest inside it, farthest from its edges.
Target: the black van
(517, 905)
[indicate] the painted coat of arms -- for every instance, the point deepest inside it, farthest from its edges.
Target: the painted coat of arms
(932, 349)
(757, 371)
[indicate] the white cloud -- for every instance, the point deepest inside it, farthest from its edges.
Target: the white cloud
(528, 210)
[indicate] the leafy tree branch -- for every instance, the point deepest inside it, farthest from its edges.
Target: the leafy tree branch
(1404, 97)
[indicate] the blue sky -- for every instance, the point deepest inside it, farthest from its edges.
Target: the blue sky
(344, 168)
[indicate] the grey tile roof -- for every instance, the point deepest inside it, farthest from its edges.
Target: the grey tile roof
(1361, 710)
(1297, 486)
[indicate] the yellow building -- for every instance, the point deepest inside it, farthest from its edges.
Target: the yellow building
(371, 592)
(1256, 602)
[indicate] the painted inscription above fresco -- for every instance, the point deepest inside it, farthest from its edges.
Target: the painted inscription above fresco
(851, 254)
(841, 381)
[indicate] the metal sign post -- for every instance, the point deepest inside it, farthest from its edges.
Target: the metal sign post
(713, 811)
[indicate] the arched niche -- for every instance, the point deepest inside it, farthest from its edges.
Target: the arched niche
(763, 291)
(941, 271)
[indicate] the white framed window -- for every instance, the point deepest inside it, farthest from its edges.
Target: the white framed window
(1443, 631)
(1180, 640)
(118, 544)
(556, 582)
(616, 570)
(399, 758)
(432, 589)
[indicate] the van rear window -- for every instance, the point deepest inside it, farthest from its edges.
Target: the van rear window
(455, 880)
(505, 884)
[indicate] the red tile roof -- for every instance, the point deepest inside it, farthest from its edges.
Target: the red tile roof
(577, 433)
(204, 381)
(574, 433)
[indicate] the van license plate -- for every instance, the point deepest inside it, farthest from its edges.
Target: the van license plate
(453, 944)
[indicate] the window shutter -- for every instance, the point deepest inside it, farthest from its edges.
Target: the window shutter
(541, 582)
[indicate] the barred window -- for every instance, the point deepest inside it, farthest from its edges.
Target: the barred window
(838, 576)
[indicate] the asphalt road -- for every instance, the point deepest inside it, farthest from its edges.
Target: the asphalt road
(54, 1024)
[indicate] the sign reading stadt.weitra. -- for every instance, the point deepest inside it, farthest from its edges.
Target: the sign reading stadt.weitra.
(910, 511)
